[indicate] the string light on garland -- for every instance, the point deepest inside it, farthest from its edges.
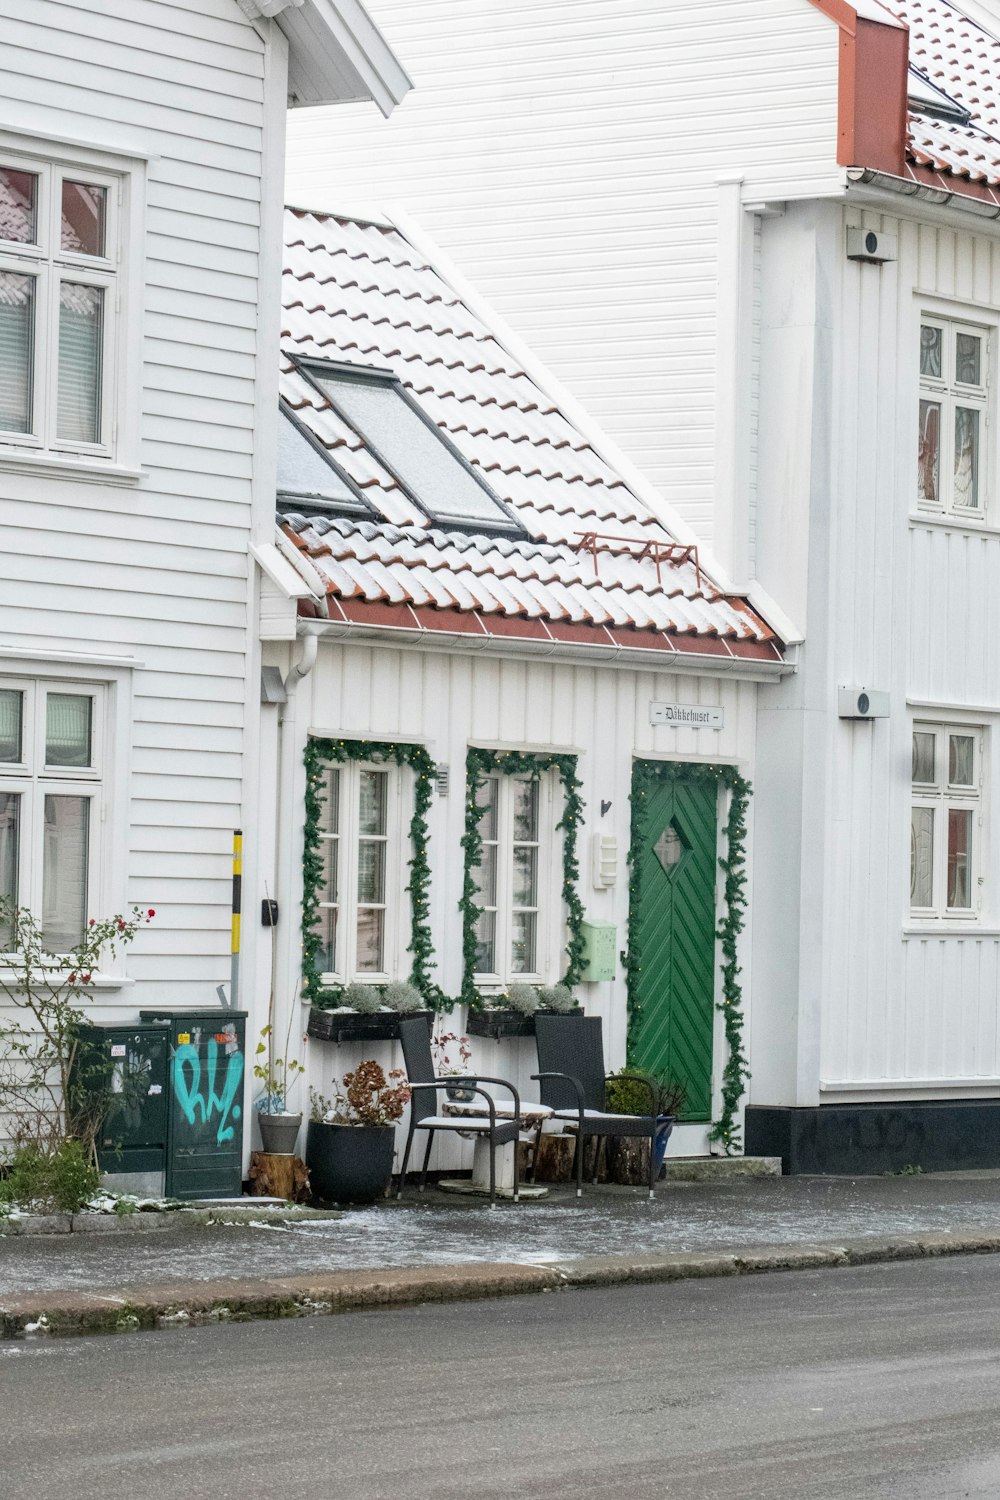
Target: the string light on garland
(320, 756)
(647, 776)
(479, 764)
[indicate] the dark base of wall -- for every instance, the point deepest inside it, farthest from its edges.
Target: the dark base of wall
(846, 1140)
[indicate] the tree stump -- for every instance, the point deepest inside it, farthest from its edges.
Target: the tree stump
(279, 1177)
(555, 1158)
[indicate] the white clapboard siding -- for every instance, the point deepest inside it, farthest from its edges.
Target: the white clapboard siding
(158, 571)
(565, 154)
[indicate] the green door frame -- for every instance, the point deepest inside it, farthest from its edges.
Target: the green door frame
(647, 775)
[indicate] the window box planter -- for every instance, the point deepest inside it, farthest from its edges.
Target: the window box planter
(497, 1022)
(343, 1025)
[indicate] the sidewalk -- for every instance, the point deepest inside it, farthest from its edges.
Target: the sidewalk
(442, 1247)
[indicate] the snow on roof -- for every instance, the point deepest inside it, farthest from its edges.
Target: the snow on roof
(591, 564)
(959, 57)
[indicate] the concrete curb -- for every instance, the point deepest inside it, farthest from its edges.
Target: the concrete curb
(127, 1309)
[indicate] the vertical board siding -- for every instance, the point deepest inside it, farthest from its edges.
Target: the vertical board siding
(159, 571)
(448, 702)
(913, 608)
(566, 153)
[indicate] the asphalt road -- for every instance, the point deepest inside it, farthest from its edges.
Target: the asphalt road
(879, 1381)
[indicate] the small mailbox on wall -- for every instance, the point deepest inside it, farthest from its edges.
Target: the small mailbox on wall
(600, 940)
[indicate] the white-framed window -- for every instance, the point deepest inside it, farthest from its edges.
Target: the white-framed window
(946, 820)
(520, 891)
(954, 461)
(52, 776)
(361, 922)
(71, 230)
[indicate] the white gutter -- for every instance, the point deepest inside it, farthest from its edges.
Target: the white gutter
(904, 187)
(688, 663)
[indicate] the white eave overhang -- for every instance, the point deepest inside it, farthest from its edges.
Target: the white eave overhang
(336, 53)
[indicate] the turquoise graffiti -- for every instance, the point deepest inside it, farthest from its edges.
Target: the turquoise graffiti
(208, 1105)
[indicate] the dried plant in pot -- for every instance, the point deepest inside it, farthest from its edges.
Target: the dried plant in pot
(351, 1138)
(446, 1066)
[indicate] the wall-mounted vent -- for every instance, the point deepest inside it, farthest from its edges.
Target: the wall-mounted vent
(441, 781)
(870, 245)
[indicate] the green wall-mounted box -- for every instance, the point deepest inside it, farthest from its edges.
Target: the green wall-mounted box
(600, 939)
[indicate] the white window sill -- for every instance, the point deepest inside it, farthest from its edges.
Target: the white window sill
(103, 982)
(952, 523)
(949, 929)
(65, 466)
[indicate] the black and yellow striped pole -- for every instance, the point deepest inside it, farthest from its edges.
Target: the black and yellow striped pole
(234, 982)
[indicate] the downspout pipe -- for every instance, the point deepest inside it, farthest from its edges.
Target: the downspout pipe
(290, 812)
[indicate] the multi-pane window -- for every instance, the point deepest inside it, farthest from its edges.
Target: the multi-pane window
(58, 282)
(364, 872)
(944, 819)
(952, 468)
(50, 785)
(516, 899)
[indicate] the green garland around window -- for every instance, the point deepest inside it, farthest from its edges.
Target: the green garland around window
(736, 1073)
(319, 755)
(479, 763)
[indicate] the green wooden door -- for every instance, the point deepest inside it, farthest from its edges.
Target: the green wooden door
(676, 869)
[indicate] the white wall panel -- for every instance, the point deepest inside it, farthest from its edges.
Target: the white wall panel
(565, 154)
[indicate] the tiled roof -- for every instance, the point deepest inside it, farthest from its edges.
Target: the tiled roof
(361, 294)
(958, 56)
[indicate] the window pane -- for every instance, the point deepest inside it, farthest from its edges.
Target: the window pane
(81, 321)
(968, 362)
(961, 759)
(929, 451)
(370, 932)
(415, 450)
(68, 729)
(372, 803)
(330, 820)
(525, 810)
(486, 927)
(486, 876)
(522, 956)
(486, 798)
(371, 871)
(931, 349)
(10, 815)
(966, 458)
(84, 211)
(18, 206)
(326, 931)
(923, 757)
(329, 887)
(959, 851)
(922, 856)
(11, 713)
(64, 871)
(303, 472)
(525, 876)
(17, 341)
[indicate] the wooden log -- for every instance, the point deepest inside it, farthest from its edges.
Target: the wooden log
(279, 1177)
(555, 1158)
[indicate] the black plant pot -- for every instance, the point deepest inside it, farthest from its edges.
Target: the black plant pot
(349, 1163)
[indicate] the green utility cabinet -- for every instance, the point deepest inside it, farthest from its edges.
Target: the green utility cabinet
(129, 1064)
(206, 1067)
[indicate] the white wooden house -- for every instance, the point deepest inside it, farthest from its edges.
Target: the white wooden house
(490, 643)
(141, 158)
(673, 202)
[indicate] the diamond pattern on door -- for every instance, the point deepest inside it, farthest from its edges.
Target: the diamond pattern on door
(670, 847)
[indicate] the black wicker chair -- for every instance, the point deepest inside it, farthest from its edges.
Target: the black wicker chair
(424, 1115)
(572, 1081)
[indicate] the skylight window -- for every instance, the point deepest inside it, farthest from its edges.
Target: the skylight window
(413, 449)
(306, 475)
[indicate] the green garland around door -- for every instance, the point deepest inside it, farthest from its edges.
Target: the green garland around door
(479, 763)
(736, 1073)
(319, 755)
